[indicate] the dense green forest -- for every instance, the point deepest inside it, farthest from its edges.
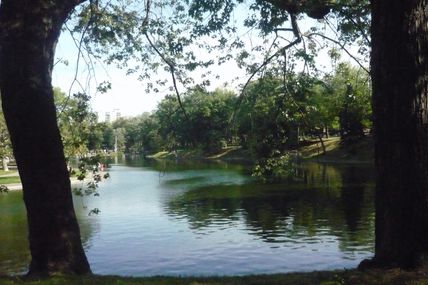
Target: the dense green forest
(278, 112)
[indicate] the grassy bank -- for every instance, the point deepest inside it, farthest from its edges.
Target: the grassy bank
(351, 277)
(9, 172)
(228, 153)
(335, 151)
(9, 180)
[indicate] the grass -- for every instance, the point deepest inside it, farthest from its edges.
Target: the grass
(228, 153)
(181, 154)
(336, 151)
(351, 277)
(224, 152)
(13, 177)
(314, 148)
(232, 153)
(9, 180)
(359, 151)
(160, 155)
(10, 172)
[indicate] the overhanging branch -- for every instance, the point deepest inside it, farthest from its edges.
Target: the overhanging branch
(296, 32)
(342, 46)
(172, 72)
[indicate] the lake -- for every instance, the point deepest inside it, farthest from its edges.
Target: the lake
(213, 218)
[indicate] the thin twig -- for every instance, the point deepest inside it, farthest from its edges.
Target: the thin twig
(79, 54)
(342, 46)
(296, 32)
(357, 25)
(163, 57)
(172, 71)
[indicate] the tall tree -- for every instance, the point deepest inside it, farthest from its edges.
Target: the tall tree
(76, 122)
(399, 66)
(29, 31)
(5, 146)
(351, 89)
(400, 94)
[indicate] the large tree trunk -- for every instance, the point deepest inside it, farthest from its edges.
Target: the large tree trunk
(29, 30)
(400, 105)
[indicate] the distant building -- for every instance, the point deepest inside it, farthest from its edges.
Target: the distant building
(110, 116)
(107, 117)
(116, 114)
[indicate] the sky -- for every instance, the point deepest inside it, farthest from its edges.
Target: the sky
(128, 94)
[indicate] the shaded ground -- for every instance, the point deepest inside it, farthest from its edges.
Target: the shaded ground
(351, 277)
(10, 179)
(360, 151)
(336, 151)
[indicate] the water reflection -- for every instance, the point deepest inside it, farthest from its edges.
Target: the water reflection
(14, 248)
(13, 234)
(322, 200)
(212, 218)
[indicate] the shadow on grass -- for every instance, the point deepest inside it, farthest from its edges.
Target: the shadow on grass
(351, 277)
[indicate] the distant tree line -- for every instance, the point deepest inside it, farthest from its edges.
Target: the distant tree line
(275, 114)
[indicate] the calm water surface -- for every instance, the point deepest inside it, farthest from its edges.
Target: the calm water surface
(170, 218)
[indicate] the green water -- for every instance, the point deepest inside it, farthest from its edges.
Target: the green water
(200, 218)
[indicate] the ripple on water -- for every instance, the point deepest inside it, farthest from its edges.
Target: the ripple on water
(219, 222)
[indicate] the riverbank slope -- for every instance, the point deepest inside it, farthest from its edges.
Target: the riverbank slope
(335, 151)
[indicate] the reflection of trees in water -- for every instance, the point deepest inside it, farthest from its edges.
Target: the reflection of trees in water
(206, 205)
(88, 224)
(170, 165)
(14, 252)
(324, 200)
(347, 182)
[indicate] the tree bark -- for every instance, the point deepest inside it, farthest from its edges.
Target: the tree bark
(29, 30)
(400, 106)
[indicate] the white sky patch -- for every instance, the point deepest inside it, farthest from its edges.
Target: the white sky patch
(128, 94)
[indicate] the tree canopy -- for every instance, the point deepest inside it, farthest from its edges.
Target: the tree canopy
(185, 38)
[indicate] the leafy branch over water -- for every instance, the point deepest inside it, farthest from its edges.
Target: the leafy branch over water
(91, 171)
(275, 169)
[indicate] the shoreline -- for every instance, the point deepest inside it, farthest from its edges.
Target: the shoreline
(393, 276)
(18, 186)
(359, 152)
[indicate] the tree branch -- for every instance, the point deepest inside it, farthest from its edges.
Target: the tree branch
(342, 46)
(296, 32)
(79, 45)
(172, 71)
(358, 24)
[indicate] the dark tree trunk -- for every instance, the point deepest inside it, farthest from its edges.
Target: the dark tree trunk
(400, 105)
(29, 30)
